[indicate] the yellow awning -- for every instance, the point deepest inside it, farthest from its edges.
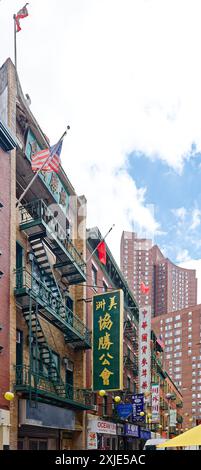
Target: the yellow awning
(192, 437)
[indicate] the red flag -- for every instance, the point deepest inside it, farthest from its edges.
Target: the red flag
(144, 289)
(102, 252)
(23, 13)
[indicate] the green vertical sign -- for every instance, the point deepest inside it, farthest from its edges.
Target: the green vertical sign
(108, 341)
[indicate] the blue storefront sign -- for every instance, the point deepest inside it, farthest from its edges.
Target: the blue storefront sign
(145, 434)
(138, 406)
(131, 430)
(124, 410)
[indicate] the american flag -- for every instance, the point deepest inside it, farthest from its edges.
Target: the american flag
(47, 159)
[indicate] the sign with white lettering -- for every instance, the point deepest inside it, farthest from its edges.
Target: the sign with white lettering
(144, 349)
(102, 427)
(131, 430)
(155, 403)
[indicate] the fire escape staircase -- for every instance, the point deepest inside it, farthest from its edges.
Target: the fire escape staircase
(45, 353)
(41, 257)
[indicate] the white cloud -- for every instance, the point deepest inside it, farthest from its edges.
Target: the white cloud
(195, 264)
(181, 213)
(183, 256)
(126, 76)
(196, 215)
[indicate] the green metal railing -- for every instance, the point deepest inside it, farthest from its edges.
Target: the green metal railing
(25, 281)
(156, 361)
(38, 211)
(37, 382)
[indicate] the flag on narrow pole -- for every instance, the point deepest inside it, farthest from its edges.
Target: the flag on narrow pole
(23, 13)
(101, 248)
(50, 154)
(144, 289)
(47, 159)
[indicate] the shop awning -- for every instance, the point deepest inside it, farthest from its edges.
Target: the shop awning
(188, 438)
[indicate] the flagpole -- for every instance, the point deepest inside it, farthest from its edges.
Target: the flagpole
(15, 42)
(41, 169)
(102, 240)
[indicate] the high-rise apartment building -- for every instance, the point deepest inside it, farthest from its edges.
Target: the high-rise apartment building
(181, 333)
(171, 287)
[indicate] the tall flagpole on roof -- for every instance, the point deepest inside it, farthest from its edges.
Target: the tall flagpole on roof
(54, 149)
(15, 42)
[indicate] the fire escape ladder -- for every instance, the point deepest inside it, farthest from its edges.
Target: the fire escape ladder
(41, 257)
(46, 354)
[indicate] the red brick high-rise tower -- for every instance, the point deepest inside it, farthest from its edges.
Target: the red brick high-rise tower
(171, 287)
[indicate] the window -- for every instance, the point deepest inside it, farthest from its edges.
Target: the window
(94, 276)
(38, 444)
(177, 332)
(178, 317)
(105, 405)
(177, 340)
(19, 348)
(105, 287)
(128, 384)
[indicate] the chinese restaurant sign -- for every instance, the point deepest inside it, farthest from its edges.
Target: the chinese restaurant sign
(144, 349)
(155, 403)
(108, 341)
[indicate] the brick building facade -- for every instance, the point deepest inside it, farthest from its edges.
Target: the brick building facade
(44, 264)
(7, 144)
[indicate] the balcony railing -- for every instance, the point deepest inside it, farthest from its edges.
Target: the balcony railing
(35, 214)
(60, 315)
(156, 361)
(39, 384)
(163, 405)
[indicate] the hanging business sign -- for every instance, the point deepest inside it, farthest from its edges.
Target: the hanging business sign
(124, 410)
(173, 417)
(131, 430)
(144, 349)
(92, 441)
(138, 406)
(108, 341)
(155, 403)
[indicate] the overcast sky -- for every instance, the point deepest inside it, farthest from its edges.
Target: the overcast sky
(126, 76)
